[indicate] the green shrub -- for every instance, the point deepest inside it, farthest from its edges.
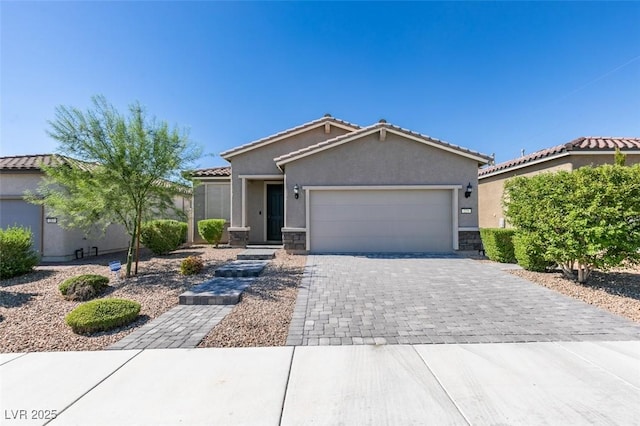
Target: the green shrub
(102, 315)
(83, 287)
(211, 230)
(162, 236)
(191, 265)
(498, 244)
(17, 256)
(529, 252)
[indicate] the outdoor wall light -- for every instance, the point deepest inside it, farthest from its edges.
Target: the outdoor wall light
(468, 191)
(296, 191)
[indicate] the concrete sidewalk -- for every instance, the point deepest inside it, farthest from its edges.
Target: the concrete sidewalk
(500, 383)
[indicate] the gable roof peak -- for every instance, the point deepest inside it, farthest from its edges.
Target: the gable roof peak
(326, 119)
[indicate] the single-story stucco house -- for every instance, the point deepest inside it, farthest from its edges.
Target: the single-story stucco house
(583, 151)
(332, 186)
(19, 174)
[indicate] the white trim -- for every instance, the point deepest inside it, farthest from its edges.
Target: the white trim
(307, 211)
(244, 203)
(262, 177)
(294, 229)
(373, 131)
(468, 228)
(238, 228)
(520, 166)
(232, 152)
(379, 187)
(454, 218)
(454, 203)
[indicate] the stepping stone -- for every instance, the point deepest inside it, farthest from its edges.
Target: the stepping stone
(218, 291)
(257, 254)
(241, 268)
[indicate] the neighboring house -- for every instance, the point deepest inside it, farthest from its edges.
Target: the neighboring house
(332, 186)
(54, 243)
(211, 199)
(580, 152)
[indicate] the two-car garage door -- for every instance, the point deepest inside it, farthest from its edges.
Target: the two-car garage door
(380, 220)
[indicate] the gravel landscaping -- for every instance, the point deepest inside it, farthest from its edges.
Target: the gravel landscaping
(262, 317)
(32, 310)
(617, 291)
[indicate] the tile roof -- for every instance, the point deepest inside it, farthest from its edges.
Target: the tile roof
(33, 162)
(370, 129)
(224, 171)
(26, 162)
(327, 118)
(588, 143)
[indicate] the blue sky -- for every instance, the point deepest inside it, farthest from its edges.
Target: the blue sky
(496, 77)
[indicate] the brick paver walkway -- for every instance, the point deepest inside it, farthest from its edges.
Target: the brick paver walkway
(183, 326)
(388, 300)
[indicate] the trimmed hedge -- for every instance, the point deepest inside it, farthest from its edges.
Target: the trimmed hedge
(17, 256)
(102, 315)
(211, 230)
(83, 287)
(498, 244)
(529, 252)
(191, 265)
(162, 236)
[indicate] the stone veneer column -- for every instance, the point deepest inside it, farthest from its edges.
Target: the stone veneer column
(469, 240)
(294, 240)
(238, 237)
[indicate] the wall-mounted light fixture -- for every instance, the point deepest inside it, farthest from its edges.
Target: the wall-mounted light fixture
(468, 191)
(296, 191)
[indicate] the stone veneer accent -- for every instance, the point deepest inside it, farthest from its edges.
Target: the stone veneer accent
(294, 240)
(469, 240)
(238, 238)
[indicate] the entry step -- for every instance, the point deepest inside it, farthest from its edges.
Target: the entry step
(257, 254)
(218, 291)
(242, 268)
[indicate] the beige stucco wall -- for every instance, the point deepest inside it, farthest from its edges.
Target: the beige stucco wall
(15, 184)
(259, 161)
(491, 188)
(369, 161)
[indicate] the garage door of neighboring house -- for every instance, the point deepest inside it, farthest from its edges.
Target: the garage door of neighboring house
(21, 213)
(388, 221)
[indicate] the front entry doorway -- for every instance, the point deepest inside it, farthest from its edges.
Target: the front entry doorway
(275, 211)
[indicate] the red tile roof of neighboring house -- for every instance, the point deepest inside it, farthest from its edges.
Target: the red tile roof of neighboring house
(33, 162)
(327, 118)
(589, 143)
(212, 172)
(26, 162)
(283, 159)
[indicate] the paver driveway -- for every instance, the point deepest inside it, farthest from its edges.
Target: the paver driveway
(367, 299)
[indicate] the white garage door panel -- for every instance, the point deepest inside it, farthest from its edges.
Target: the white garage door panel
(381, 221)
(21, 213)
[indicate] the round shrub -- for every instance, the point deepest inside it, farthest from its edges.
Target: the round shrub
(163, 235)
(83, 287)
(191, 265)
(17, 256)
(529, 252)
(211, 230)
(102, 315)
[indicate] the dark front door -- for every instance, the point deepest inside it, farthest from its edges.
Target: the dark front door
(275, 212)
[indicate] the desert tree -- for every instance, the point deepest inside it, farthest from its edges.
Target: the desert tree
(114, 169)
